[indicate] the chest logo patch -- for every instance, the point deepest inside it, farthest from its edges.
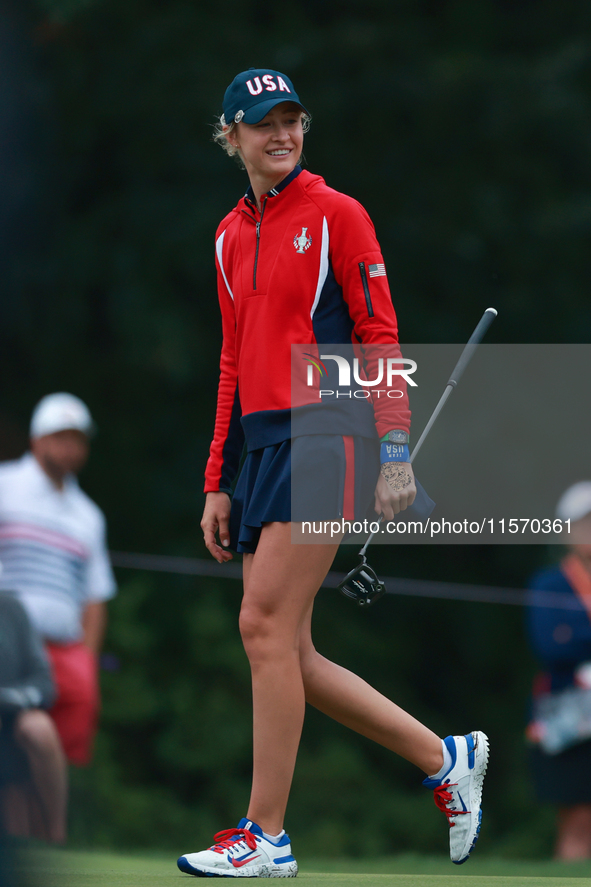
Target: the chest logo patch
(302, 241)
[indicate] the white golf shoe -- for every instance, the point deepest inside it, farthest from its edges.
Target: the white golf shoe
(459, 792)
(242, 852)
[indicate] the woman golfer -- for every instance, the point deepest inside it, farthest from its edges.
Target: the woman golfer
(299, 263)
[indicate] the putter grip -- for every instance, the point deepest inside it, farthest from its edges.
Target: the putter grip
(476, 337)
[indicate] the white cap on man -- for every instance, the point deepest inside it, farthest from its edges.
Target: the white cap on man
(60, 412)
(575, 503)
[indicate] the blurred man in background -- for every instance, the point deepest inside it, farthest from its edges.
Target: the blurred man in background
(33, 770)
(53, 548)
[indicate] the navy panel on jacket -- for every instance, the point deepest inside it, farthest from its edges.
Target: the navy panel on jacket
(346, 417)
(331, 321)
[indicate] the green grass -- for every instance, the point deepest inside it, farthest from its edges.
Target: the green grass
(68, 868)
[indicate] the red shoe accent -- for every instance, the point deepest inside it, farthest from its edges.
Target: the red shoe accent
(238, 865)
(224, 840)
(442, 798)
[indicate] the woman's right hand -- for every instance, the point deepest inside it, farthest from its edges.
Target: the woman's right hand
(216, 518)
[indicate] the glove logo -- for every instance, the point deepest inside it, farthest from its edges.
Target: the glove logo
(302, 241)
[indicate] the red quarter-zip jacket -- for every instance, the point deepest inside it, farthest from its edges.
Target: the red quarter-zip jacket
(295, 273)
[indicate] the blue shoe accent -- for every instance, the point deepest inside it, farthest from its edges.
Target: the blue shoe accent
(257, 830)
(241, 858)
(248, 824)
(430, 782)
(471, 749)
(185, 866)
(451, 747)
(283, 859)
(472, 846)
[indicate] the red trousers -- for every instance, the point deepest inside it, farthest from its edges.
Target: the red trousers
(76, 709)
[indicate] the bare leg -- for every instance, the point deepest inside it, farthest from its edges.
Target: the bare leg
(351, 701)
(36, 734)
(574, 832)
(37, 819)
(280, 583)
(15, 810)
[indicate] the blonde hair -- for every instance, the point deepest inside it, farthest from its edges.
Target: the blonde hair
(221, 131)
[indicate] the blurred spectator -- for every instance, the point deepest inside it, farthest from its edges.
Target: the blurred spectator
(53, 548)
(560, 729)
(33, 771)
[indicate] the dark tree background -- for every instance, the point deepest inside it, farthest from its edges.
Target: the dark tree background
(464, 127)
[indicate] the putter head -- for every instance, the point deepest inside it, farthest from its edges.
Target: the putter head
(362, 585)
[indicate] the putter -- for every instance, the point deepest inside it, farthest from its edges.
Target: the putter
(362, 584)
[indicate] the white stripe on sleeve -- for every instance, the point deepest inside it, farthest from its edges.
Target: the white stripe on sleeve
(323, 270)
(218, 248)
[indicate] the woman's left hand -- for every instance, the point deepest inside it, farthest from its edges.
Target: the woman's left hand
(395, 489)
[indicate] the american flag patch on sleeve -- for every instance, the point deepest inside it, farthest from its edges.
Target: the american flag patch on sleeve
(377, 270)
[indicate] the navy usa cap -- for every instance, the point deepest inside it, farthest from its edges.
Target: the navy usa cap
(252, 94)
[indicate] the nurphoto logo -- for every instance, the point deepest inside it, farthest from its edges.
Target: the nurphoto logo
(395, 366)
(385, 369)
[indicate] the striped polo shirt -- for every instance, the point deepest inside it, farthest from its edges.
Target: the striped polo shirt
(52, 549)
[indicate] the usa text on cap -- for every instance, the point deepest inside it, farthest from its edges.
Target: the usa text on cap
(252, 94)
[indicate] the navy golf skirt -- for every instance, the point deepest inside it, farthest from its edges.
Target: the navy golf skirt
(312, 477)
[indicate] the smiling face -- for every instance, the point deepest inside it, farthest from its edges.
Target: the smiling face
(271, 148)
